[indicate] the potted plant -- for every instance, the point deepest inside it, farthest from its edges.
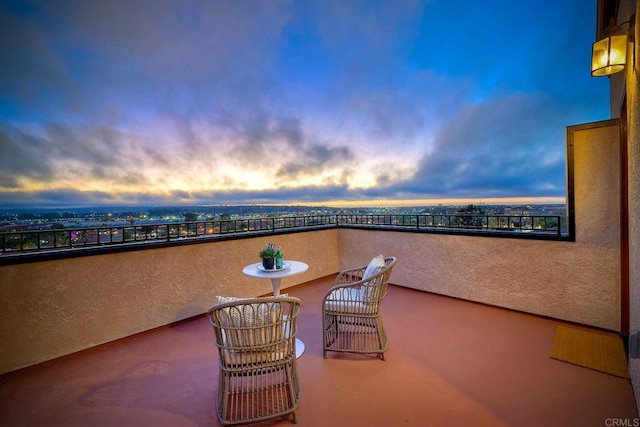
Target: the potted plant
(268, 255)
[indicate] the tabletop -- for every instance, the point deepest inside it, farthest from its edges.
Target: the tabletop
(294, 267)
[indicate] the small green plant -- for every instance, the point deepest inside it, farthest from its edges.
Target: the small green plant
(268, 252)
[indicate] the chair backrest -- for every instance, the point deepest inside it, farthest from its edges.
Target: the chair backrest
(375, 286)
(255, 330)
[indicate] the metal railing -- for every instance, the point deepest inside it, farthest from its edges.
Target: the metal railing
(13, 242)
(535, 224)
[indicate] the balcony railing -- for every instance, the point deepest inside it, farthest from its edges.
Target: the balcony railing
(73, 238)
(536, 224)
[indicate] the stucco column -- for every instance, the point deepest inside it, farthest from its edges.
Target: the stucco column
(633, 130)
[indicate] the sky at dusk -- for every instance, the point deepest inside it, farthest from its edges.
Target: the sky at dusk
(167, 102)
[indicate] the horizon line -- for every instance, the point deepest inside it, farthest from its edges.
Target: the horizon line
(333, 203)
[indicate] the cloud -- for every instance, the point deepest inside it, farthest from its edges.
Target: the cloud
(503, 147)
(155, 101)
(73, 198)
(61, 152)
(22, 154)
(138, 58)
(31, 75)
(288, 148)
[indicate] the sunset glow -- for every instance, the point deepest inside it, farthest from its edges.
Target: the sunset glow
(358, 103)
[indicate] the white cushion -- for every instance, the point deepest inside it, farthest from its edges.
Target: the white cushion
(243, 358)
(262, 318)
(375, 266)
(348, 300)
(222, 299)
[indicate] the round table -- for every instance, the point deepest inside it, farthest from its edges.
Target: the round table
(291, 268)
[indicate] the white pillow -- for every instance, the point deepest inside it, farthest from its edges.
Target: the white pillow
(259, 314)
(262, 317)
(374, 267)
(222, 299)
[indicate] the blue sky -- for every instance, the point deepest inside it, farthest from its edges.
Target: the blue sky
(154, 102)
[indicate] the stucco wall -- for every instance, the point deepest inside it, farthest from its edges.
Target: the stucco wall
(53, 308)
(633, 130)
(565, 280)
(596, 160)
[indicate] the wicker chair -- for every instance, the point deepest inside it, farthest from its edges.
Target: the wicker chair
(258, 370)
(351, 310)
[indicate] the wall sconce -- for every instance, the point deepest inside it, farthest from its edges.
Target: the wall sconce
(609, 54)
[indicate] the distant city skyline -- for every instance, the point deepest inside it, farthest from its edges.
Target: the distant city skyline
(514, 201)
(178, 210)
(357, 103)
(98, 216)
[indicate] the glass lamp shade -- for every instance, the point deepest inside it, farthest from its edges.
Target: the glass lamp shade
(609, 55)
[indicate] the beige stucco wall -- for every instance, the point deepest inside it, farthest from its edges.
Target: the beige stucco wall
(597, 184)
(633, 130)
(564, 280)
(53, 308)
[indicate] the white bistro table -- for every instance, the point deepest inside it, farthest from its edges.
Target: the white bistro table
(291, 268)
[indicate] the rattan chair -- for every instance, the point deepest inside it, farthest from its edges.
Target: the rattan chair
(258, 370)
(351, 311)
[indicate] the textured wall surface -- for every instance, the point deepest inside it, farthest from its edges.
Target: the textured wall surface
(564, 280)
(633, 131)
(53, 308)
(597, 184)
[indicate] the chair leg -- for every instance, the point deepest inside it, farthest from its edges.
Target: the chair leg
(382, 336)
(223, 396)
(329, 333)
(292, 378)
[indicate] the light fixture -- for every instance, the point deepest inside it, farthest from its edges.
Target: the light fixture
(609, 54)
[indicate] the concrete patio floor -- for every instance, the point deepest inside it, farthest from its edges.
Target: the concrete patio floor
(449, 363)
